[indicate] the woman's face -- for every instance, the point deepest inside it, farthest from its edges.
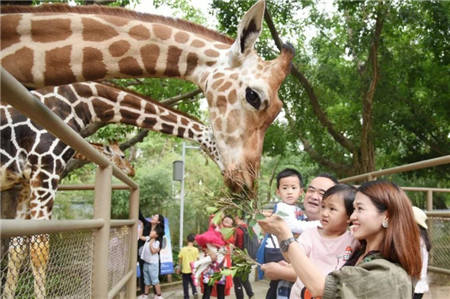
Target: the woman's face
(155, 219)
(366, 219)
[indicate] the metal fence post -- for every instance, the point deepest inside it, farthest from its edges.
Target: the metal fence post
(430, 200)
(102, 210)
(134, 211)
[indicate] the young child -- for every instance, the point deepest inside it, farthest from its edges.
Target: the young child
(289, 190)
(210, 241)
(332, 244)
(151, 262)
(187, 255)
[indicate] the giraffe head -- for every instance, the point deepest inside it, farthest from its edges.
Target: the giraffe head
(242, 95)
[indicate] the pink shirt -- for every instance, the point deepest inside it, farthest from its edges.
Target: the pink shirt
(327, 254)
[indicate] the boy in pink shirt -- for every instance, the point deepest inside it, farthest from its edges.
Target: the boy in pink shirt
(330, 245)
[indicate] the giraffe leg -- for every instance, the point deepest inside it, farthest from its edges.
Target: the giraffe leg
(16, 255)
(17, 251)
(41, 204)
(39, 252)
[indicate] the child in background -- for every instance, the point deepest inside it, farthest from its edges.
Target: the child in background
(331, 245)
(187, 255)
(425, 247)
(151, 262)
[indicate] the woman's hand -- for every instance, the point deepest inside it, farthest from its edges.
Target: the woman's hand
(277, 226)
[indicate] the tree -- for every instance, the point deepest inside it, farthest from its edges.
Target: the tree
(357, 86)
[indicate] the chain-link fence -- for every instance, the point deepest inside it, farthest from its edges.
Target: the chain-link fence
(68, 270)
(438, 229)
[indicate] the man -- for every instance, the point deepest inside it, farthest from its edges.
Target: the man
(311, 204)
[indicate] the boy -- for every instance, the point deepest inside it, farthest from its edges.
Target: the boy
(150, 257)
(289, 190)
(187, 255)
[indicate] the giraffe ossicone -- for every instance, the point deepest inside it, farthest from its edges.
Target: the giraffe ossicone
(113, 152)
(57, 44)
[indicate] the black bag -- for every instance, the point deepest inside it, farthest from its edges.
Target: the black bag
(251, 242)
(272, 254)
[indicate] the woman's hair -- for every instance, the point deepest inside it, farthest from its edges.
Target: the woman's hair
(348, 194)
(426, 239)
(401, 242)
(159, 229)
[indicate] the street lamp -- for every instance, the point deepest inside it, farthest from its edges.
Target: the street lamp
(178, 175)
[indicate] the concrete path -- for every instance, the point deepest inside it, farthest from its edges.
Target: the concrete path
(260, 289)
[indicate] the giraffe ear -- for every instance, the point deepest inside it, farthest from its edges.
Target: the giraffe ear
(248, 31)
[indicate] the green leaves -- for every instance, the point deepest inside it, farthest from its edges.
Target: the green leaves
(227, 232)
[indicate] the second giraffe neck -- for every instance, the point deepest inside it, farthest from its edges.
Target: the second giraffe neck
(93, 102)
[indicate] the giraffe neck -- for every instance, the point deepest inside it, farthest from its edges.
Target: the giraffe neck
(81, 45)
(88, 103)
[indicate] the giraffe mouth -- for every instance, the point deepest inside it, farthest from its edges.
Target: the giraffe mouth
(241, 182)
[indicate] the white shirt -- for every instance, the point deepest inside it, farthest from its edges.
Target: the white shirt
(289, 213)
(422, 284)
(147, 255)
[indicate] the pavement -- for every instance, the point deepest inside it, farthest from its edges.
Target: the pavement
(260, 288)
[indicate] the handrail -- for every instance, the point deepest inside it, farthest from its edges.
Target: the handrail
(15, 94)
(408, 167)
(88, 187)
(15, 227)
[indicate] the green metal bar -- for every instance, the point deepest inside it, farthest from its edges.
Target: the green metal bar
(408, 167)
(102, 210)
(122, 222)
(134, 215)
(115, 289)
(89, 187)
(13, 227)
(439, 270)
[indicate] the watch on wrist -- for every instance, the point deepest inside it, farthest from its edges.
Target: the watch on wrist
(284, 245)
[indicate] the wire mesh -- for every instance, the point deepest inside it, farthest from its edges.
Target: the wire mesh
(438, 230)
(57, 265)
(119, 255)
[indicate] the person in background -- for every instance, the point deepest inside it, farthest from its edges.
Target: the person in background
(389, 257)
(313, 199)
(150, 256)
(187, 255)
(425, 247)
(143, 231)
(241, 227)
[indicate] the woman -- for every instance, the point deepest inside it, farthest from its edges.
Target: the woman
(390, 256)
(157, 221)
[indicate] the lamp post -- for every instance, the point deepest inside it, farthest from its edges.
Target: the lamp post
(178, 175)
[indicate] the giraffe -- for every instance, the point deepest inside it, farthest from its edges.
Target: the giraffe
(58, 44)
(35, 158)
(113, 153)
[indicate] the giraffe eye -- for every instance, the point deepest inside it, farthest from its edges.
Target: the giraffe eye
(252, 97)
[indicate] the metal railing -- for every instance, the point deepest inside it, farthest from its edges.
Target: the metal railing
(438, 221)
(15, 94)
